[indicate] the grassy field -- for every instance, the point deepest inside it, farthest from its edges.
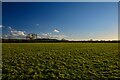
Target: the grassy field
(60, 60)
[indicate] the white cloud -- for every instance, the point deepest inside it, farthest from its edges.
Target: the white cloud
(37, 24)
(55, 30)
(44, 35)
(14, 34)
(18, 33)
(1, 26)
(9, 28)
(50, 36)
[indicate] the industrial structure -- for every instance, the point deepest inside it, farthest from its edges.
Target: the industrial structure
(31, 36)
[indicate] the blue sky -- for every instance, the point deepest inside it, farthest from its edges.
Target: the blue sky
(60, 0)
(74, 20)
(0, 13)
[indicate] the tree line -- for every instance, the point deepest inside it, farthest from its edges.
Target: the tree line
(52, 40)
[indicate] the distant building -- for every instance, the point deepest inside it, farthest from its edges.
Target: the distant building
(63, 39)
(91, 39)
(31, 36)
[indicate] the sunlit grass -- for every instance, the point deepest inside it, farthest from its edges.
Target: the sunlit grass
(60, 60)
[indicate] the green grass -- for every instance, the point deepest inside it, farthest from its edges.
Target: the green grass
(60, 61)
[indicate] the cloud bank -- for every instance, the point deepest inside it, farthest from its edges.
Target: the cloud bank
(14, 34)
(51, 36)
(17, 34)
